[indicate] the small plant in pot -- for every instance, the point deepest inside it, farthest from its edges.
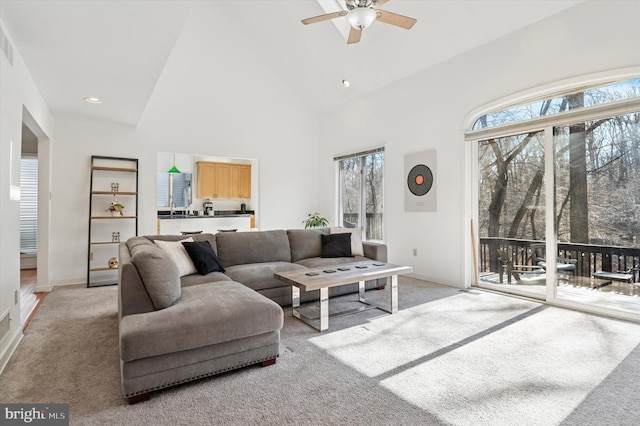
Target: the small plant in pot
(315, 221)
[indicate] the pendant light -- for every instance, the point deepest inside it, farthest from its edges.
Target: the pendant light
(174, 169)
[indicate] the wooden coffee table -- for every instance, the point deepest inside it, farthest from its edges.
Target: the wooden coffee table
(324, 278)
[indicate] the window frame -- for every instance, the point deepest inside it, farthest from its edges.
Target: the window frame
(363, 192)
(545, 124)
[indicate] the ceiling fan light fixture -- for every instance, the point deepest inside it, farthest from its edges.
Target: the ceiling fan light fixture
(361, 17)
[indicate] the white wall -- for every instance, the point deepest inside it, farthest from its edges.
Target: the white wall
(214, 98)
(428, 111)
(18, 93)
(217, 98)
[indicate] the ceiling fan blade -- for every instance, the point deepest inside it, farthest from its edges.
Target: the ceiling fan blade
(354, 36)
(326, 17)
(381, 2)
(395, 19)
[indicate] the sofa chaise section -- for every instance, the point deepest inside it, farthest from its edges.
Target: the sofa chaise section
(214, 328)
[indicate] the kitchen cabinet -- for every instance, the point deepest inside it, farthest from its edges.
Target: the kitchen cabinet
(206, 180)
(224, 180)
(242, 187)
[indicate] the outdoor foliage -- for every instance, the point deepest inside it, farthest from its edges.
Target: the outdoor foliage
(367, 170)
(597, 173)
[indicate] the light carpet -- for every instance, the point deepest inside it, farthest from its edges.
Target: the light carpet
(448, 357)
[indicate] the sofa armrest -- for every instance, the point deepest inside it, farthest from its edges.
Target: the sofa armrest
(375, 251)
(132, 294)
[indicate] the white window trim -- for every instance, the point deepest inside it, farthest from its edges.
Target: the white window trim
(538, 124)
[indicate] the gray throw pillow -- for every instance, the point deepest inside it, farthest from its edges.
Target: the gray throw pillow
(159, 275)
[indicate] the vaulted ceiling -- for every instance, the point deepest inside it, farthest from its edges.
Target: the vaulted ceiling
(116, 50)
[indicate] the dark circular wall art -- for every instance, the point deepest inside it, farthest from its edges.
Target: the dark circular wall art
(420, 180)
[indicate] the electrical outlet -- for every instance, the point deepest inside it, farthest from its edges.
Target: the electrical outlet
(16, 297)
(415, 251)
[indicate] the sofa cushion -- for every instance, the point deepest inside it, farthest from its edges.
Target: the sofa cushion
(135, 243)
(206, 315)
(323, 262)
(237, 248)
(159, 275)
(207, 237)
(259, 276)
(196, 279)
(305, 243)
(356, 239)
(178, 254)
(336, 245)
(203, 257)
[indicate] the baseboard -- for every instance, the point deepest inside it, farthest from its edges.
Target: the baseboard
(47, 288)
(43, 288)
(71, 281)
(6, 355)
(433, 280)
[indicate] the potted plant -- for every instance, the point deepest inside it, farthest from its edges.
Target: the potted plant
(116, 208)
(315, 221)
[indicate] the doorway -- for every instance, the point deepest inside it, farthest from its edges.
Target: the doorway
(35, 275)
(28, 224)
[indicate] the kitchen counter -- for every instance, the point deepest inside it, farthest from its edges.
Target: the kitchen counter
(221, 221)
(186, 216)
(180, 214)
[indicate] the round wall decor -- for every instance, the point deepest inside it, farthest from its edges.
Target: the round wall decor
(420, 180)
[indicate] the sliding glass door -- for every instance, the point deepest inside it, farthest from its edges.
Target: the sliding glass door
(511, 212)
(558, 199)
(597, 199)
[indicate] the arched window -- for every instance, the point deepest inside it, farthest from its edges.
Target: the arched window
(558, 103)
(558, 197)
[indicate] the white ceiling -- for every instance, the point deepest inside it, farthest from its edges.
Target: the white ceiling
(116, 50)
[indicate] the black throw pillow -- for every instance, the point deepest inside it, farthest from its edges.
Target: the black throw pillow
(336, 245)
(203, 257)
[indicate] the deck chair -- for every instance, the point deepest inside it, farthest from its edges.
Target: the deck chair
(628, 276)
(564, 265)
(521, 273)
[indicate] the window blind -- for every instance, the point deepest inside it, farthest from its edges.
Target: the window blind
(28, 205)
(181, 186)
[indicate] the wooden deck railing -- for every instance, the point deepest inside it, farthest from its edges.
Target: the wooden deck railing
(373, 224)
(590, 257)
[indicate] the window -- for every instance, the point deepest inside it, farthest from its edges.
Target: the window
(181, 190)
(29, 205)
(361, 192)
(560, 179)
(570, 100)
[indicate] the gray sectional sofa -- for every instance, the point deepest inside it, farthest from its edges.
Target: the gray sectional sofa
(176, 326)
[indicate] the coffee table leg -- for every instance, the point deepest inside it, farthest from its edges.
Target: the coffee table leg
(361, 291)
(392, 283)
(295, 301)
(394, 294)
(324, 309)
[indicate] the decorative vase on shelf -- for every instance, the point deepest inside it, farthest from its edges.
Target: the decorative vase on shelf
(116, 208)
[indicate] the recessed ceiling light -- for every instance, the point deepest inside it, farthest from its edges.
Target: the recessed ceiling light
(346, 83)
(93, 100)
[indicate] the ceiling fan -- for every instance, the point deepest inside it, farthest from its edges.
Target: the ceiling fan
(362, 13)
